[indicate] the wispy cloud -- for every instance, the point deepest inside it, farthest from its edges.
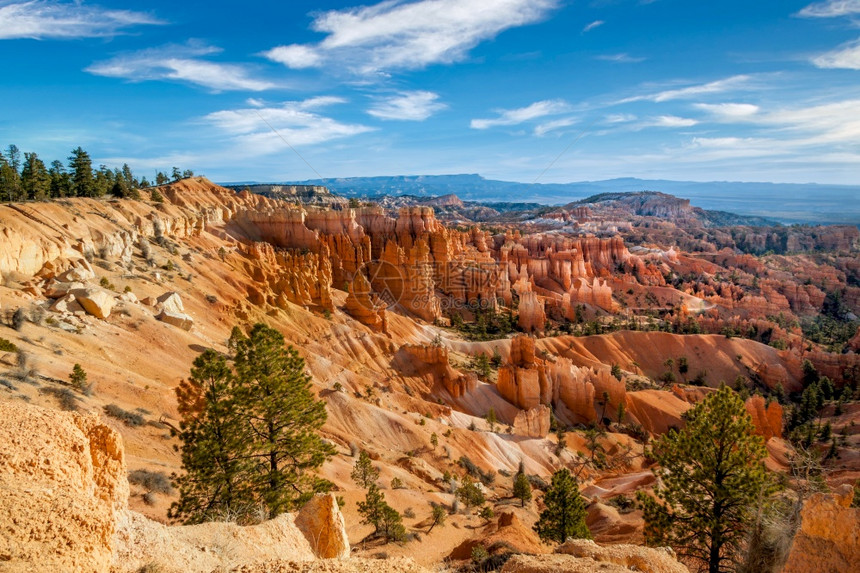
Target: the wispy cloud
(593, 25)
(546, 127)
(831, 9)
(180, 63)
(50, 19)
(670, 121)
(400, 35)
(623, 58)
(846, 56)
(718, 86)
(297, 122)
(729, 111)
(407, 106)
(522, 114)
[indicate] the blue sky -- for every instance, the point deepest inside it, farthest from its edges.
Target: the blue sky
(525, 90)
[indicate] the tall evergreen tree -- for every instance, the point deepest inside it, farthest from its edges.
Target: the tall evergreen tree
(61, 182)
(10, 179)
(283, 418)
(215, 446)
(711, 474)
(522, 486)
(35, 179)
(564, 515)
(364, 474)
(81, 166)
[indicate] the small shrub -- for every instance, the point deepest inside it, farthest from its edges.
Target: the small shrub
(479, 554)
(211, 298)
(156, 196)
(622, 503)
(18, 319)
(128, 418)
(151, 480)
(127, 288)
(486, 513)
(409, 512)
(149, 498)
(66, 398)
(6, 346)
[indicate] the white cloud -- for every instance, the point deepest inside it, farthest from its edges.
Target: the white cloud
(718, 86)
(593, 25)
(729, 111)
(43, 19)
(407, 106)
(180, 63)
(845, 57)
(544, 128)
(254, 129)
(622, 58)
(408, 35)
(831, 9)
(620, 118)
(522, 114)
(671, 121)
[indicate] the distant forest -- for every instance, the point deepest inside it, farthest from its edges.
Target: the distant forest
(26, 177)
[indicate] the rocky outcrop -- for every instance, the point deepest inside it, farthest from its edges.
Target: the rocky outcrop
(828, 540)
(172, 311)
(364, 305)
(577, 394)
(532, 317)
(321, 522)
(767, 418)
(62, 478)
(432, 361)
(533, 423)
(586, 556)
(63, 507)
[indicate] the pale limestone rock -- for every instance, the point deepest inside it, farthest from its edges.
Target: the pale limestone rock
(96, 302)
(179, 320)
(171, 302)
(62, 478)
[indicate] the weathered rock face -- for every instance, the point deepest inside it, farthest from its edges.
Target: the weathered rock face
(585, 556)
(828, 540)
(364, 305)
(575, 392)
(321, 522)
(533, 423)
(767, 418)
(532, 317)
(433, 361)
(62, 478)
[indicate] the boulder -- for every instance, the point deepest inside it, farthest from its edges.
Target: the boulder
(171, 302)
(57, 289)
(67, 303)
(96, 302)
(179, 320)
(322, 524)
(62, 478)
(77, 274)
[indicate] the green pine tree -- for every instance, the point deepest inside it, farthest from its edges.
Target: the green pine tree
(522, 486)
(564, 515)
(363, 473)
(283, 415)
(215, 446)
(711, 474)
(35, 179)
(81, 166)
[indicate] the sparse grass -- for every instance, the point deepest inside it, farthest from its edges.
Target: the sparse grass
(128, 418)
(6, 346)
(152, 481)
